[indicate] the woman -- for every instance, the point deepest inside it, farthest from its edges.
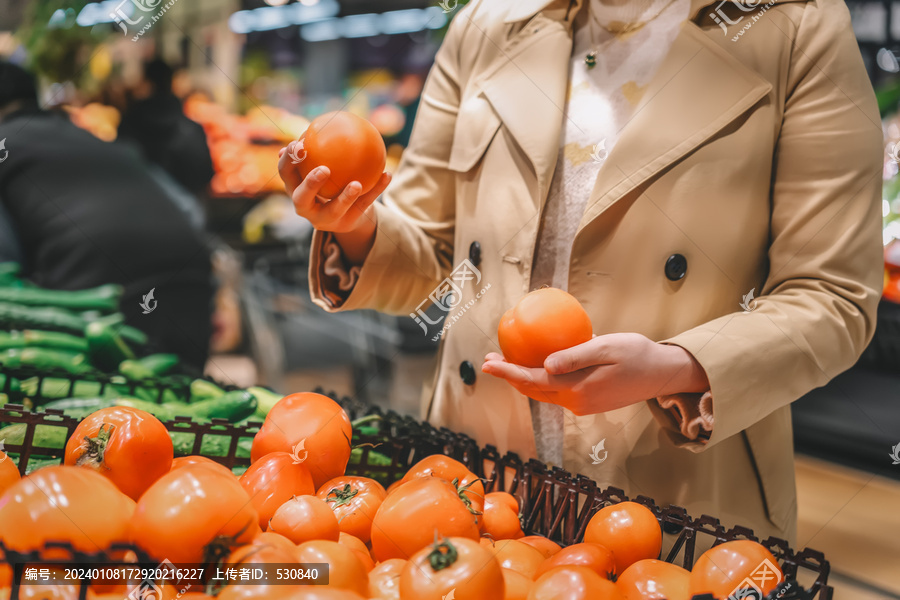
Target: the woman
(705, 179)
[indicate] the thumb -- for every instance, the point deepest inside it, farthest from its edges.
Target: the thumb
(573, 359)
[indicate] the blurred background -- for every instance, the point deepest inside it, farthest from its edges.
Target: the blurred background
(252, 73)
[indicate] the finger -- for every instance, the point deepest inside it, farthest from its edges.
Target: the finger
(589, 354)
(338, 207)
(379, 188)
(304, 197)
(519, 375)
(494, 356)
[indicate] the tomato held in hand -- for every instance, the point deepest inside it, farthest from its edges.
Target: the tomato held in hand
(571, 582)
(418, 510)
(595, 557)
(457, 565)
(348, 145)
(651, 579)
(354, 500)
(722, 568)
(64, 504)
(313, 428)
(629, 529)
(542, 322)
(304, 519)
(130, 447)
(344, 569)
(193, 514)
(273, 480)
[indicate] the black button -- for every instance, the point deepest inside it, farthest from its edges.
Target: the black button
(467, 372)
(676, 267)
(475, 253)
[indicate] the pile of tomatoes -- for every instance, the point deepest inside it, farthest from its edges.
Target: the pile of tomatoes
(433, 535)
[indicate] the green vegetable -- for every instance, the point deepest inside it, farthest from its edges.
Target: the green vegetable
(15, 316)
(103, 298)
(163, 412)
(133, 335)
(55, 340)
(14, 384)
(45, 436)
(134, 370)
(201, 389)
(159, 364)
(79, 408)
(233, 406)
(107, 348)
(212, 445)
(42, 358)
(55, 387)
(267, 399)
(375, 459)
(9, 273)
(38, 463)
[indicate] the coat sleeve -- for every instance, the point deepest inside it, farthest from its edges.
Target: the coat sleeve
(413, 248)
(816, 311)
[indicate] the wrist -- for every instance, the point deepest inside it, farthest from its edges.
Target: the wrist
(683, 375)
(356, 243)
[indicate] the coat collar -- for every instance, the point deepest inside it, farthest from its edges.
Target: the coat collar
(523, 10)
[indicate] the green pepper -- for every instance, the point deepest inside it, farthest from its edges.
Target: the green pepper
(107, 348)
(15, 316)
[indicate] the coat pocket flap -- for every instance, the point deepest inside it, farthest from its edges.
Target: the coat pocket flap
(476, 126)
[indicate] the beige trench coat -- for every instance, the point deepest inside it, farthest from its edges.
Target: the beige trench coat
(758, 161)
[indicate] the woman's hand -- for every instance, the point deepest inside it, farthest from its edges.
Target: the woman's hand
(350, 216)
(606, 373)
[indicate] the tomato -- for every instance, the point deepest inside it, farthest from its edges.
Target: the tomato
(595, 557)
(501, 517)
(409, 519)
(629, 529)
(47, 591)
(547, 547)
(437, 465)
(64, 504)
(273, 480)
(542, 322)
(358, 548)
(517, 585)
(457, 565)
(270, 538)
(192, 514)
(255, 554)
(384, 580)
(651, 579)
(344, 569)
(131, 447)
(572, 582)
(354, 500)
(183, 461)
(721, 569)
(517, 556)
(260, 591)
(9, 473)
(348, 145)
(313, 428)
(319, 592)
(305, 518)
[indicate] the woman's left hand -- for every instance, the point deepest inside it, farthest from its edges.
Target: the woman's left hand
(606, 373)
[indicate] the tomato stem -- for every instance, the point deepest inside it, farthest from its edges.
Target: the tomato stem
(464, 494)
(95, 447)
(443, 554)
(341, 496)
(364, 420)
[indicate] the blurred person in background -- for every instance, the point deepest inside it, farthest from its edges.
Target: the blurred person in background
(166, 137)
(77, 212)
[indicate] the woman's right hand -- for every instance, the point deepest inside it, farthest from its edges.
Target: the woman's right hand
(345, 214)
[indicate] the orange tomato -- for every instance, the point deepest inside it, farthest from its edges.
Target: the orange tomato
(354, 500)
(358, 548)
(457, 565)
(312, 427)
(273, 480)
(305, 518)
(384, 580)
(409, 519)
(192, 512)
(547, 547)
(348, 145)
(437, 465)
(595, 557)
(651, 579)
(130, 447)
(517, 585)
(721, 569)
(270, 538)
(542, 322)
(501, 517)
(629, 529)
(9, 473)
(319, 592)
(517, 556)
(572, 582)
(344, 569)
(183, 461)
(96, 513)
(255, 554)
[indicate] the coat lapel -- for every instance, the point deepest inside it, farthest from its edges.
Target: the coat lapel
(698, 90)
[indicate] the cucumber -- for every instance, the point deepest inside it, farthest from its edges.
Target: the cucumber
(13, 383)
(163, 412)
(201, 389)
(16, 316)
(233, 406)
(46, 436)
(9, 273)
(104, 298)
(55, 387)
(79, 408)
(266, 399)
(38, 463)
(43, 358)
(133, 335)
(55, 340)
(159, 364)
(134, 370)
(106, 347)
